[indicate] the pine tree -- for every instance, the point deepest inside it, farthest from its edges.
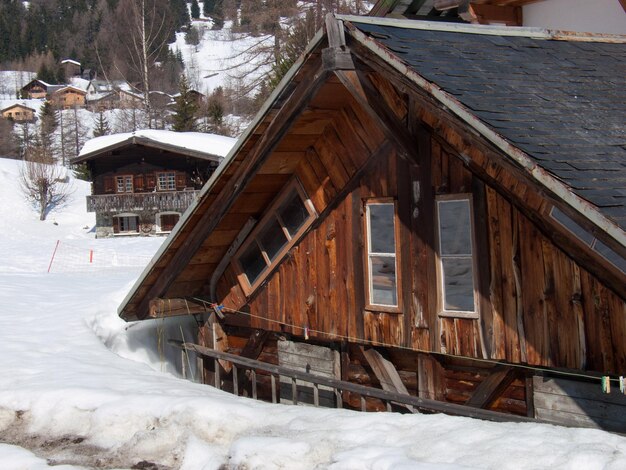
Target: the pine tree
(184, 117)
(195, 10)
(101, 126)
(48, 116)
(208, 7)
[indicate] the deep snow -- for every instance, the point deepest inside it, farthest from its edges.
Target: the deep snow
(78, 386)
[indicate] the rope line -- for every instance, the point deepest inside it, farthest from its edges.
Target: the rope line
(407, 348)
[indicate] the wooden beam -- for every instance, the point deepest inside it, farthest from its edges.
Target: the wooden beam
(251, 350)
(386, 373)
(623, 4)
(208, 221)
(488, 14)
(361, 88)
(162, 308)
(492, 387)
(422, 403)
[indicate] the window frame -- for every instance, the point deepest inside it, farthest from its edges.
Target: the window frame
(271, 214)
(165, 173)
(117, 223)
(369, 305)
(442, 312)
(125, 179)
(159, 224)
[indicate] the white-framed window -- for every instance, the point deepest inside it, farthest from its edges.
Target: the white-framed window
(456, 249)
(381, 255)
(278, 230)
(166, 181)
(124, 183)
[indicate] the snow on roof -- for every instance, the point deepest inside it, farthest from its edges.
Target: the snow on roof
(69, 88)
(70, 61)
(79, 83)
(209, 144)
(16, 105)
(34, 104)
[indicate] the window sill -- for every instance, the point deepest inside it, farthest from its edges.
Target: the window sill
(467, 315)
(383, 309)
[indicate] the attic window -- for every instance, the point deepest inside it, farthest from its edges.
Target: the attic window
(589, 239)
(456, 257)
(281, 227)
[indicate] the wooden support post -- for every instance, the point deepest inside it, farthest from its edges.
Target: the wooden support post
(253, 380)
(363, 405)
(235, 382)
(339, 399)
(218, 381)
(294, 391)
(386, 373)
(492, 387)
(316, 394)
(273, 380)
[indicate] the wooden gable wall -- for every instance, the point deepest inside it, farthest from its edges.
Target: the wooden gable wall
(537, 305)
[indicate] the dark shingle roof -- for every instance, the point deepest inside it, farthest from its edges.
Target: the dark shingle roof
(561, 102)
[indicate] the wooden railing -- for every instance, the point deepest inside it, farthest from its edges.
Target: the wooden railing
(162, 200)
(388, 397)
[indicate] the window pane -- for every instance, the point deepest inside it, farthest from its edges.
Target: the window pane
(383, 275)
(458, 284)
(293, 213)
(272, 238)
(252, 262)
(455, 227)
(381, 226)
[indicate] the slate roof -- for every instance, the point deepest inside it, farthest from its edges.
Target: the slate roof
(561, 102)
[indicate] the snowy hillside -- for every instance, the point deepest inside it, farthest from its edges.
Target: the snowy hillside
(78, 386)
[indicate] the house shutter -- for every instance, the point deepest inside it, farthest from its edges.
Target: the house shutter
(109, 186)
(181, 180)
(138, 183)
(150, 182)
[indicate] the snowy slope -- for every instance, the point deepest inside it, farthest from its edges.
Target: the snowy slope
(78, 386)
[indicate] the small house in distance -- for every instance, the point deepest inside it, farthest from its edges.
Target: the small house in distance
(431, 210)
(19, 113)
(68, 97)
(72, 68)
(143, 181)
(37, 89)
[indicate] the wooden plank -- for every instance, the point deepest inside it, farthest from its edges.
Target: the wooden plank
(492, 387)
(161, 308)
(386, 373)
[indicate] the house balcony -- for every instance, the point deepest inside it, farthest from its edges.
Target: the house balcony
(160, 201)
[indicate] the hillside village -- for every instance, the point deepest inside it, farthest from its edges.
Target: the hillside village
(408, 217)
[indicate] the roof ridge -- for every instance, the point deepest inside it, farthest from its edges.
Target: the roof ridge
(493, 30)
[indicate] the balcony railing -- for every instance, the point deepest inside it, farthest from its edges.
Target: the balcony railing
(162, 201)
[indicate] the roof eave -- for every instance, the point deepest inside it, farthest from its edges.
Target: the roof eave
(179, 227)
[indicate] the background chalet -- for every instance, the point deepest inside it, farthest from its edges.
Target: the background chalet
(433, 209)
(143, 181)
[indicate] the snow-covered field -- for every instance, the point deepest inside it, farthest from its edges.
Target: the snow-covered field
(79, 388)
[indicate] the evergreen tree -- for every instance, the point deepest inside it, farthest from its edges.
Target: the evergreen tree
(192, 36)
(48, 116)
(207, 7)
(184, 117)
(101, 126)
(45, 74)
(195, 10)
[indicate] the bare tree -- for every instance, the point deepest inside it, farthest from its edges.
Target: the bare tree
(43, 183)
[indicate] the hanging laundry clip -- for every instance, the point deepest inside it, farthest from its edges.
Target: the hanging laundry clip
(606, 384)
(622, 384)
(306, 332)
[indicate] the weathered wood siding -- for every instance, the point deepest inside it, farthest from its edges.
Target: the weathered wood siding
(537, 306)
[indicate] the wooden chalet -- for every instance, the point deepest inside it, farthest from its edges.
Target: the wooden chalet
(71, 68)
(143, 181)
(422, 213)
(38, 89)
(19, 113)
(68, 97)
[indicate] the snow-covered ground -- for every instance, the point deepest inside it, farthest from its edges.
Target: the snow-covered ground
(79, 388)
